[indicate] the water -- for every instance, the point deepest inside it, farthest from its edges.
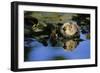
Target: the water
(39, 52)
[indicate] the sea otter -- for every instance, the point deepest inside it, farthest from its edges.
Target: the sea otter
(70, 29)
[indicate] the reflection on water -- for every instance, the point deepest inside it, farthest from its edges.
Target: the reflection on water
(70, 45)
(77, 48)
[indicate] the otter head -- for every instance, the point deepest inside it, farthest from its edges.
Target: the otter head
(69, 29)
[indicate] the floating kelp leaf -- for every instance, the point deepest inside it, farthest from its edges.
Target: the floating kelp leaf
(42, 24)
(35, 29)
(39, 27)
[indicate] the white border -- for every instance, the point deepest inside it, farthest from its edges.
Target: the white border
(22, 64)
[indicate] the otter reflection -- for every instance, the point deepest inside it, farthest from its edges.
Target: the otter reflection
(71, 44)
